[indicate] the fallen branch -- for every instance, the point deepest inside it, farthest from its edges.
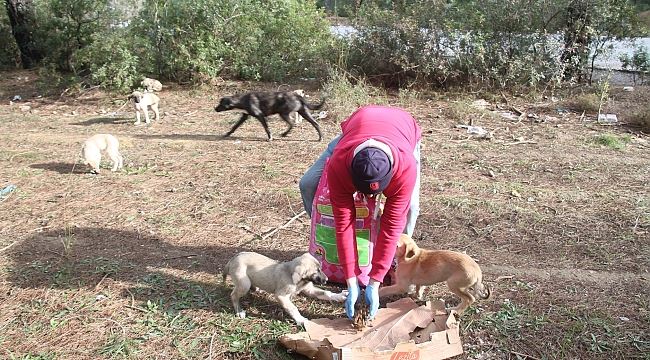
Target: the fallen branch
(8, 246)
(180, 256)
(211, 342)
(283, 226)
(100, 281)
(524, 356)
(136, 308)
(521, 142)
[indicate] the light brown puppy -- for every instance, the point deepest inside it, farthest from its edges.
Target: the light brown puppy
(420, 267)
(151, 84)
(92, 148)
(142, 101)
(249, 270)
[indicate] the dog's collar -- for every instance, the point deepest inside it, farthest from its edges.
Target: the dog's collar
(376, 144)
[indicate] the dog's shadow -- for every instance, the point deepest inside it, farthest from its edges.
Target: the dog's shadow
(200, 137)
(145, 265)
(104, 120)
(62, 168)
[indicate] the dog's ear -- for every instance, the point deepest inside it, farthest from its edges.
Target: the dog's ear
(409, 249)
(305, 266)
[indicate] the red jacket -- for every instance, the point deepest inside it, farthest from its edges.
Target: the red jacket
(396, 128)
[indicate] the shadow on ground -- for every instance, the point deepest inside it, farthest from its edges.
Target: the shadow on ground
(104, 120)
(141, 264)
(62, 168)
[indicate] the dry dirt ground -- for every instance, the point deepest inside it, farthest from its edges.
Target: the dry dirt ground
(556, 210)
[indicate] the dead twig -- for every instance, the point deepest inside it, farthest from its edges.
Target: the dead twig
(269, 234)
(520, 142)
(523, 356)
(136, 308)
(504, 277)
(100, 281)
(180, 256)
(8, 246)
(211, 343)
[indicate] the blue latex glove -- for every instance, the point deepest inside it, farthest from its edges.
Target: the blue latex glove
(372, 298)
(353, 295)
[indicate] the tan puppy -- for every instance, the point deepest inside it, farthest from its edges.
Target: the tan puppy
(142, 102)
(92, 148)
(297, 119)
(422, 267)
(151, 84)
(249, 270)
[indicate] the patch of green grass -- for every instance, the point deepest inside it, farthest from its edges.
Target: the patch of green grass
(291, 192)
(409, 95)
(102, 266)
(509, 321)
(588, 102)
(348, 93)
(463, 112)
(612, 141)
(250, 337)
(119, 347)
(137, 170)
(45, 356)
(269, 172)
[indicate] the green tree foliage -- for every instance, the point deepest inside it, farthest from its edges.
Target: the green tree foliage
(9, 53)
(491, 42)
(66, 26)
(269, 40)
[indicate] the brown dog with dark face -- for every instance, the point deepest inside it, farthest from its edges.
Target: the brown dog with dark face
(420, 267)
(262, 104)
(249, 270)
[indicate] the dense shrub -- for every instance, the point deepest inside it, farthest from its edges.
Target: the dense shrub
(66, 26)
(109, 61)
(268, 40)
(485, 42)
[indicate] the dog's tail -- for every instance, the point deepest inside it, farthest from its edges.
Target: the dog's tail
(226, 270)
(483, 291)
(313, 106)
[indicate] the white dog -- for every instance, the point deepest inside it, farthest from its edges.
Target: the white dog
(151, 84)
(249, 270)
(297, 118)
(142, 102)
(92, 148)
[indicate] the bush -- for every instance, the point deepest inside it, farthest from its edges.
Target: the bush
(432, 41)
(641, 118)
(587, 102)
(110, 61)
(484, 42)
(269, 40)
(67, 26)
(346, 95)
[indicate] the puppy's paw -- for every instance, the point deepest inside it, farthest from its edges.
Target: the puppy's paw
(340, 297)
(301, 321)
(241, 314)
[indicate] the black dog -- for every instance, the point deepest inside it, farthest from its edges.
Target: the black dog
(262, 104)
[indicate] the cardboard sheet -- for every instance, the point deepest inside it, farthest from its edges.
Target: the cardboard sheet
(402, 329)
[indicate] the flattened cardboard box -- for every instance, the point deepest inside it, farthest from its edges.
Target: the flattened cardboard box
(401, 331)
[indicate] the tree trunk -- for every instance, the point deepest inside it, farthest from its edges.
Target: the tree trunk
(23, 23)
(576, 40)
